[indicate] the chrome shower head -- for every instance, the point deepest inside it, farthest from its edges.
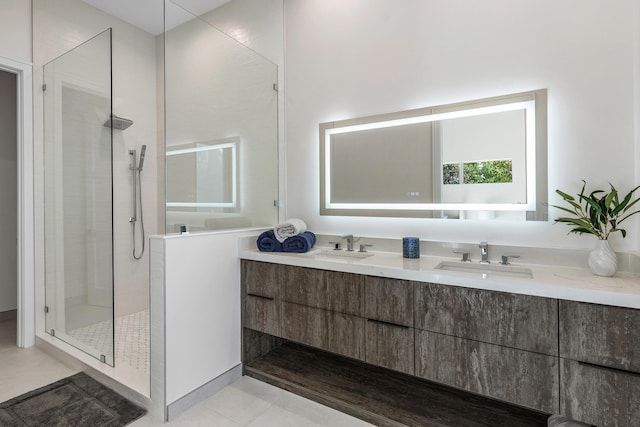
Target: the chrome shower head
(118, 123)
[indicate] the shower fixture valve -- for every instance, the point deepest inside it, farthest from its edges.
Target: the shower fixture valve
(132, 219)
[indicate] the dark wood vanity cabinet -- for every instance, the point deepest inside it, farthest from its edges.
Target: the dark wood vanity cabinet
(600, 334)
(516, 321)
(323, 309)
(261, 294)
(318, 308)
(389, 340)
(578, 359)
(390, 346)
(329, 290)
(328, 330)
(517, 376)
(261, 278)
(600, 363)
(262, 314)
(389, 300)
(498, 344)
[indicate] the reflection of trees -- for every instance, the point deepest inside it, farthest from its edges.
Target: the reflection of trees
(488, 172)
(451, 173)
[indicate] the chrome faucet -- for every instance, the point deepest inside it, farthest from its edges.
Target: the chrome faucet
(350, 241)
(484, 252)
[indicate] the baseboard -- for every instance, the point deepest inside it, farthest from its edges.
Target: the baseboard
(8, 315)
(203, 392)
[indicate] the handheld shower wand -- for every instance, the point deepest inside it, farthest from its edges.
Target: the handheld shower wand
(143, 150)
(136, 169)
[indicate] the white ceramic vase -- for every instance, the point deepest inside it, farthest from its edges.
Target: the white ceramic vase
(602, 259)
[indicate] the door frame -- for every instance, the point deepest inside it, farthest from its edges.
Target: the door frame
(26, 329)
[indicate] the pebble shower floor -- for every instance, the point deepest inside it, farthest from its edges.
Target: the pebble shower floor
(131, 339)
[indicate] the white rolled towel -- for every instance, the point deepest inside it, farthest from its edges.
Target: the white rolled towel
(289, 228)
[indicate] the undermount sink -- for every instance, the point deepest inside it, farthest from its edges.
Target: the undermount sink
(486, 269)
(331, 253)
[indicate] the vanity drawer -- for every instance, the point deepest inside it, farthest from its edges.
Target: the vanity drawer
(599, 396)
(388, 300)
(518, 321)
(261, 278)
(600, 334)
(330, 290)
(335, 332)
(262, 314)
(516, 376)
(390, 346)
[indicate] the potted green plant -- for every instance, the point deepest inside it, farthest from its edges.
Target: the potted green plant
(600, 213)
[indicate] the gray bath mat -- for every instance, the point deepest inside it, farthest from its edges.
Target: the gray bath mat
(78, 400)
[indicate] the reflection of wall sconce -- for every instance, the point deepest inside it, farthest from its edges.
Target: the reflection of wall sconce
(228, 149)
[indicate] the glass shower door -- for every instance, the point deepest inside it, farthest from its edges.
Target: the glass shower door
(78, 198)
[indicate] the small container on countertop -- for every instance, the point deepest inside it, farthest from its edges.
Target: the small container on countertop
(411, 247)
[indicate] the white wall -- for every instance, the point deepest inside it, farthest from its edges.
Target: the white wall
(202, 304)
(61, 25)
(15, 29)
(8, 192)
(353, 58)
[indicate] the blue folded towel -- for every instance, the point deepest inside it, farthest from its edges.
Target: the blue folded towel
(267, 242)
(300, 243)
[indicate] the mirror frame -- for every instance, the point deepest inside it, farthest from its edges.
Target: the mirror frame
(535, 105)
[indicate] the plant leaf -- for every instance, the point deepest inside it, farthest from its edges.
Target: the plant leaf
(565, 196)
(591, 202)
(627, 216)
(573, 212)
(611, 197)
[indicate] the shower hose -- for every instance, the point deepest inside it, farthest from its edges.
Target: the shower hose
(133, 224)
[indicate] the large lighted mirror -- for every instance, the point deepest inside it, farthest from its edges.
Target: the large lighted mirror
(481, 159)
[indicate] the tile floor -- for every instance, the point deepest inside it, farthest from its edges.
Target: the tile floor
(131, 339)
(247, 402)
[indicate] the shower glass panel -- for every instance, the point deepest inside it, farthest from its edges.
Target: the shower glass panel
(78, 197)
(221, 109)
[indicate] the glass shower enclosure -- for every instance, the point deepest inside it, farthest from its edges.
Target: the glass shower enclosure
(205, 108)
(78, 130)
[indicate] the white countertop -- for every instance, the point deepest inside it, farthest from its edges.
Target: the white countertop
(567, 283)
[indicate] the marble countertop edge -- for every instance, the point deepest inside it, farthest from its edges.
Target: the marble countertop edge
(565, 283)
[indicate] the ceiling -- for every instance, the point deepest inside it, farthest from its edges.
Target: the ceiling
(148, 14)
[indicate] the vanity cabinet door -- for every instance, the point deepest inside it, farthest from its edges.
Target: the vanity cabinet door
(600, 334)
(330, 290)
(335, 332)
(262, 314)
(261, 278)
(517, 321)
(516, 376)
(599, 396)
(389, 300)
(390, 346)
